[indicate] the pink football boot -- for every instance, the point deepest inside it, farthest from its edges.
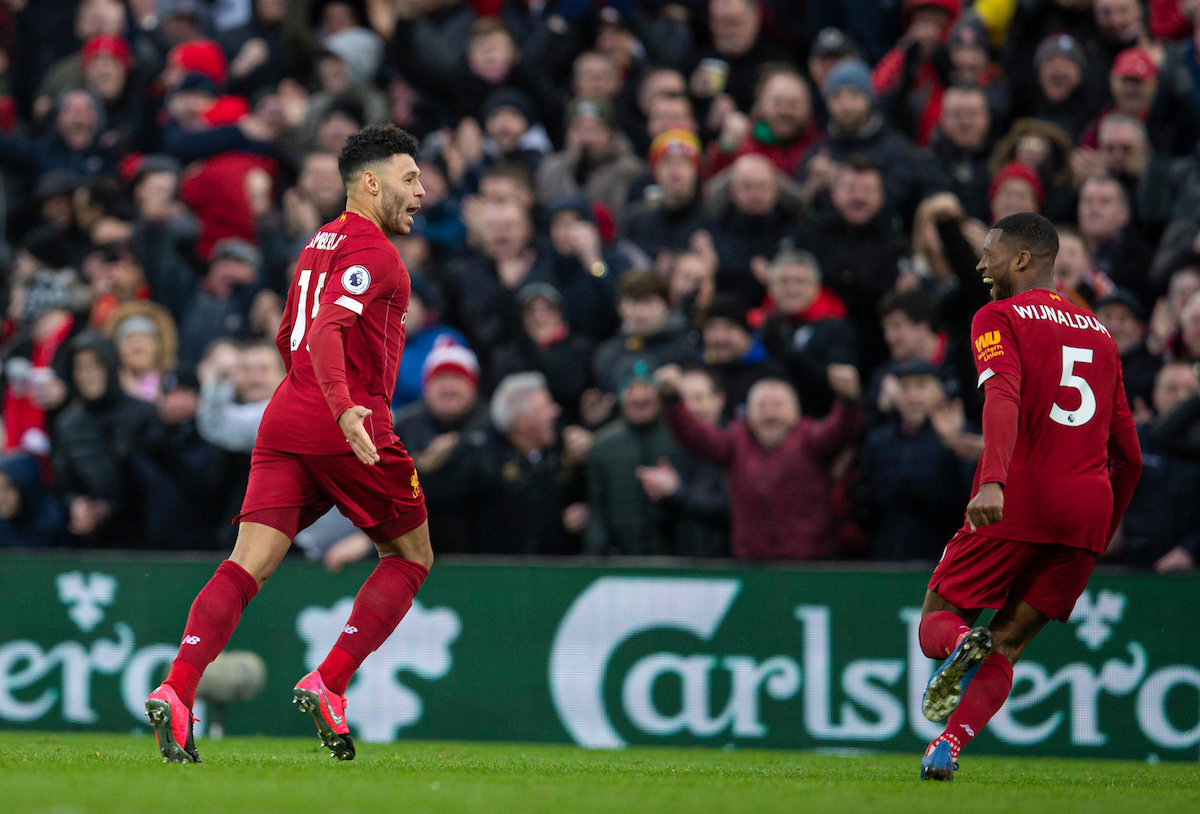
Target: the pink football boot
(328, 709)
(172, 723)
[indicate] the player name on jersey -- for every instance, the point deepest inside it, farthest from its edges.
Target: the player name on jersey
(327, 241)
(1079, 321)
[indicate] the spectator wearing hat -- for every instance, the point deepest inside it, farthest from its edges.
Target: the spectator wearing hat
(423, 332)
(72, 143)
(106, 64)
(220, 305)
(1046, 149)
(856, 128)
(146, 342)
(1116, 244)
(907, 80)
(971, 64)
(805, 328)
(1133, 83)
(831, 46)
(431, 428)
(650, 332)
(732, 352)
(961, 146)
(624, 520)
(513, 133)
(97, 437)
(667, 218)
(857, 249)
(782, 127)
(598, 160)
(1163, 529)
(342, 71)
(1035, 23)
(1015, 188)
(549, 346)
(1125, 318)
(57, 240)
(30, 517)
(776, 463)
(580, 267)
(910, 494)
(46, 308)
(1060, 93)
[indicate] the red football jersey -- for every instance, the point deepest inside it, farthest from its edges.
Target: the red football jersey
(348, 264)
(1072, 400)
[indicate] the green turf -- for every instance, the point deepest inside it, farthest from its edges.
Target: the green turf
(78, 773)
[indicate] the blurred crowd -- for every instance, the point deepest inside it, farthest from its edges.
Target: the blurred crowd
(691, 277)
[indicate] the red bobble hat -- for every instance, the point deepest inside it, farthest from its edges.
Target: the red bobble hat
(1015, 169)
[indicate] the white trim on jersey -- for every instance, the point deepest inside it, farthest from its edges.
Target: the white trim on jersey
(350, 304)
(983, 377)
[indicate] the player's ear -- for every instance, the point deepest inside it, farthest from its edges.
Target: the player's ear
(370, 182)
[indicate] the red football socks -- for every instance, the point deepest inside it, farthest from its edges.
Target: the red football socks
(380, 605)
(983, 698)
(940, 632)
(214, 615)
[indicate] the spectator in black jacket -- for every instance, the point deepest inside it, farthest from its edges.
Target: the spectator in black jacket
(220, 305)
(521, 491)
(97, 437)
(1114, 241)
(806, 329)
(913, 484)
(1125, 318)
(961, 146)
(733, 353)
(72, 144)
(668, 217)
(752, 225)
(650, 332)
(549, 347)
(29, 516)
(690, 492)
(1162, 526)
(858, 249)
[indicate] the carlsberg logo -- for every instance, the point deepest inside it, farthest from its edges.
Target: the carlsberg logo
(724, 694)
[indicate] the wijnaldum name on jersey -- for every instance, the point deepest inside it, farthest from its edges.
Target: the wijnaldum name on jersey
(1054, 315)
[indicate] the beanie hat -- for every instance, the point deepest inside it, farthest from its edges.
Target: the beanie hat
(969, 31)
(360, 48)
(448, 356)
(1016, 169)
(730, 307)
(852, 73)
(510, 97)
(106, 45)
(675, 142)
(575, 202)
(136, 324)
(1059, 45)
(201, 56)
(595, 108)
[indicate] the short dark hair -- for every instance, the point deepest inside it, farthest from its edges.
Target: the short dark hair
(701, 370)
(918, 305)
(857, 162)
(1029, 231)
(379, 142)
(642, 284)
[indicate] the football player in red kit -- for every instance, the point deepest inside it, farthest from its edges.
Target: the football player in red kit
(326, 440)
(1060, 463)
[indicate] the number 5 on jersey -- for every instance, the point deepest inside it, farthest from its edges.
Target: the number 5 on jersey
(1087, 399)
(302, 315)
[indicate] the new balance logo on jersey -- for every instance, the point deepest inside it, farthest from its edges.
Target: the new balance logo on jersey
(350, 630)
(327, 241)
(191, 640)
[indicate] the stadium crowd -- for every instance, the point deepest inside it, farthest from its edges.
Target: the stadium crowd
(690, 278)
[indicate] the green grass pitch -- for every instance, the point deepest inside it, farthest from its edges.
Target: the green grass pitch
(95, 774)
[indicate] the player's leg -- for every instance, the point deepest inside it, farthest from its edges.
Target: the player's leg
(1012, 628)
(943, 625)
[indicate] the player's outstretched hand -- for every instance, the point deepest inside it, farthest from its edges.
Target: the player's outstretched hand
(351, 423)
(987, 507)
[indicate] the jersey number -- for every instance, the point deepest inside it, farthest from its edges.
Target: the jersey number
(302, 315)
(1087, 399)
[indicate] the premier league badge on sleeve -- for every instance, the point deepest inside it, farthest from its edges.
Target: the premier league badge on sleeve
(356, 279)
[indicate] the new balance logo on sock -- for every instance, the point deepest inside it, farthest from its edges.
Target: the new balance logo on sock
(968, 730)
(350, 629)
(191, 640)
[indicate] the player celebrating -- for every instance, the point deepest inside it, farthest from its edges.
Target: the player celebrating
(1045, 501)
(326, 439)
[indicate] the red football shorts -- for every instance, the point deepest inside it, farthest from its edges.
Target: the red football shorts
(981, 572)
(290, 491)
